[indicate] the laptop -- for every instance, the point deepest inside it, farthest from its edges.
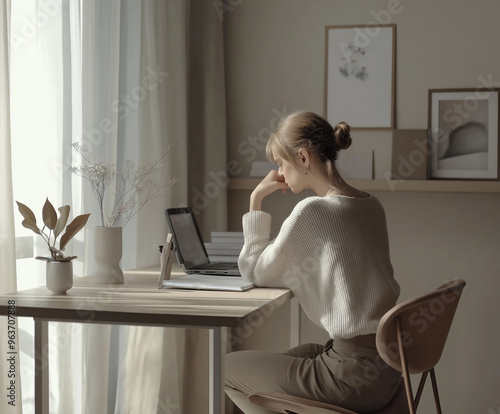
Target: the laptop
(196, 280)
(189, 247)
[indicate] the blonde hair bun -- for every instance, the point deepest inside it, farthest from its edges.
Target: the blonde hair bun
(304, 129)
(342, 136)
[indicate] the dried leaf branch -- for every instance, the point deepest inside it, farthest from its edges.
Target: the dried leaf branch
(55, 226)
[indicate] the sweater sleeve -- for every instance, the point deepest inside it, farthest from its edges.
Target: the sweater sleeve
(263, 261)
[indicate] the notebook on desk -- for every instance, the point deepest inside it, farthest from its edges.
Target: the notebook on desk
(189, 247)
(195, 280)
(208, 282)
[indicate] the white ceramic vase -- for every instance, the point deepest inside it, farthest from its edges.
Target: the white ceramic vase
(107, 254)
(59, 276)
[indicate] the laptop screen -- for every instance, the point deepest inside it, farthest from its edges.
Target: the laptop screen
(187, 237)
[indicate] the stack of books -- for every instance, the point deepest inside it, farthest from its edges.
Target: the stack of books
(225, 246)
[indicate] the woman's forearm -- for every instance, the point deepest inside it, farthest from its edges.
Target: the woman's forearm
(255, 202)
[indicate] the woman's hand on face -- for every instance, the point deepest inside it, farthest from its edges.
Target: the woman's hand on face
(271, 183)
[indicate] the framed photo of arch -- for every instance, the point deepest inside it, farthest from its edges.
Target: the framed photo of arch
(360, 75)
(464, 133)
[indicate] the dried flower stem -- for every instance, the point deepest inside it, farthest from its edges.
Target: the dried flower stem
(135, 187)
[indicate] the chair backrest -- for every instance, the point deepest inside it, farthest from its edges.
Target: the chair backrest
(424, 323)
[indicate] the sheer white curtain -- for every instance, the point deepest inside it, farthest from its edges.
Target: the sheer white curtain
(182, 45)
(7, 250)
(127, 79)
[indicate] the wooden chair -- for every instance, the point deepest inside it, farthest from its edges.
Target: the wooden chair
(410, 338)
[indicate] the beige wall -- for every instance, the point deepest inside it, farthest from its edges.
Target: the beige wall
(275, 62)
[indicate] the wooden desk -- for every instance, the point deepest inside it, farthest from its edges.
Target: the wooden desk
(139, 302)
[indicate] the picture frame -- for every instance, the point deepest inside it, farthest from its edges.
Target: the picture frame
(464, 133)
(360, 75)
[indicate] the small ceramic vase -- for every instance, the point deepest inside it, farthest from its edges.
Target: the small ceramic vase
(59, 276)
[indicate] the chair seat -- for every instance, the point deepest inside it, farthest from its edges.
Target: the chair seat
(282, 403)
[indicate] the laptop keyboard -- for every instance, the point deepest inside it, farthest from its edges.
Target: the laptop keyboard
(221, 266)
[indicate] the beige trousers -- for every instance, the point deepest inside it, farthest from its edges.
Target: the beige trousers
(345, 372)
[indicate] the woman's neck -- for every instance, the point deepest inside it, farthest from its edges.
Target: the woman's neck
(323, 185)
(336, 185)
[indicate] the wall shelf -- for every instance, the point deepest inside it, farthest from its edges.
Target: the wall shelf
(442, 186)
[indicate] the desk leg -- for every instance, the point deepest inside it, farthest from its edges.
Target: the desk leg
(41, 366)
(294, 323)
(217, 352)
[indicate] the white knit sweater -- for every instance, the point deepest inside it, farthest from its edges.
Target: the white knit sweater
(333, 253)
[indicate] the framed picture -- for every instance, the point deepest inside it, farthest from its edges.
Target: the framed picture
(360, 75)
(463, 125)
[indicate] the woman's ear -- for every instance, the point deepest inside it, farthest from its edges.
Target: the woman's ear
(304, 157)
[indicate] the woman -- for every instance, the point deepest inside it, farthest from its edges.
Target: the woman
(333, 253)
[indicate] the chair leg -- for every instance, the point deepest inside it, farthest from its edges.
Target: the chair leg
(435, 390)
(420, 388)
(404, 365)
